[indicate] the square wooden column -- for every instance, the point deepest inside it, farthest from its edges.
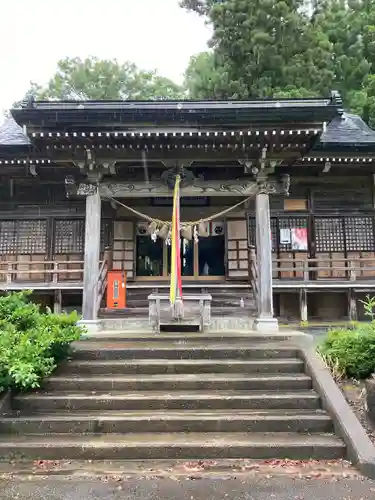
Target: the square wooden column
(265, 320)
(91, 260)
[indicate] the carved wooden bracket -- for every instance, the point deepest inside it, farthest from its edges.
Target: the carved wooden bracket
(94, 168)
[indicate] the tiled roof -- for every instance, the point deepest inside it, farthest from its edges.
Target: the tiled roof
(348, 130)
(11, 134)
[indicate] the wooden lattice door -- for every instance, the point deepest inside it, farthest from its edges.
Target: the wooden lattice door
(68, 248)
(124, 247)
(237, 249)
(329, 247)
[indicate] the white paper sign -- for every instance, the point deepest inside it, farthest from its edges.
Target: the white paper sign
(285, 236)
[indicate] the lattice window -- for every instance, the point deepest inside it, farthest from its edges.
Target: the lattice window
(8, 240)
(251, 231)
(105, 232)
(359, 234)
(274, 231)
(69, 236)
(329, 234)
(23, 237)
(32, 237)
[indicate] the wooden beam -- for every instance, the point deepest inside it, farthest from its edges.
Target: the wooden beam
(103, 155)
(91, 259)
(243, 187)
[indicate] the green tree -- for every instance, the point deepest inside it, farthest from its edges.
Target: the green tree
(262, 48)
(94, 78)
(201, 7)
(350, 28)
(202, 77)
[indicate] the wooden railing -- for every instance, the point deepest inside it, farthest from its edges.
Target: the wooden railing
(40, 271)
(103, 277)
(324, 268)
(314, 270)
(253, 272)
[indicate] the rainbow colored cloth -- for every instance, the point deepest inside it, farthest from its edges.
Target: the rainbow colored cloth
(176, 280)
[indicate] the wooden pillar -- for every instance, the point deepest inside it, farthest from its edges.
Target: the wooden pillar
(92, 255)
(57, 302)
(265, 320)
(303, 305)
(352, 305)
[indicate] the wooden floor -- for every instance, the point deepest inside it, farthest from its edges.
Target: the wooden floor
(278, 284)
(39, 285)
(322, 284)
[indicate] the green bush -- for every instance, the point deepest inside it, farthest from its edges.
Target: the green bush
(31, 342)
(351, 351)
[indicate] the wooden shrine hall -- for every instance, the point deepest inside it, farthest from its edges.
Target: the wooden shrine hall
(279, 196)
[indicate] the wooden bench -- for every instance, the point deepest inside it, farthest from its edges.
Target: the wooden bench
(195, 310)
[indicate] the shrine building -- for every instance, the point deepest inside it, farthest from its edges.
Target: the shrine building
(277, 204)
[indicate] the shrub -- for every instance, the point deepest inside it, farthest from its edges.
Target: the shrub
(351, 351)
(31, 342)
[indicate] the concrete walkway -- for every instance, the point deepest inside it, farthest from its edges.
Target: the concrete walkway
(280, 488)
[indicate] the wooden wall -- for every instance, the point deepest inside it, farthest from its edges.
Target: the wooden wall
(340, 224)
(124, 246)
(337, 212)
(237, 249)
(31, 246)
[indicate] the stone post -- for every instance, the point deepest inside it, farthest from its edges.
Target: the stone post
(265, 320)
(91, 261)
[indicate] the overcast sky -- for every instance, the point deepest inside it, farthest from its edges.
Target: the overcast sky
(35, 34)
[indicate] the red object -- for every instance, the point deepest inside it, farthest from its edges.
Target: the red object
(116, 290)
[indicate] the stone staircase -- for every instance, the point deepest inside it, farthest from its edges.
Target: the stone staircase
(173, 396)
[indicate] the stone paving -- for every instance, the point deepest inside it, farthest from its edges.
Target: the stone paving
(263, 488)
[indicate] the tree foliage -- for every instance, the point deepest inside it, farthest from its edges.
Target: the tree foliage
(287, 48)
(203, 79)
(350, 28)
(259, 48)
(94, 78)
(201, 7)
(262, 48)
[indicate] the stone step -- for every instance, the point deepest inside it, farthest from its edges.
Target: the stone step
(250, 338)
(174, 421)
(178, 350)
(173, 446)
(159, 400)
(239, 320)
(173, 382)
(180, 366)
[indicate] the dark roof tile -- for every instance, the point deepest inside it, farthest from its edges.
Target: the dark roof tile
(348, 130)
(11, 134)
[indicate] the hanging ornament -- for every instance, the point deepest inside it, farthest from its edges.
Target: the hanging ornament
(152, 227)
(154, 236)
(195, 234)
(163, 232)
(168, 239)
(203, 229)
(187, 233)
